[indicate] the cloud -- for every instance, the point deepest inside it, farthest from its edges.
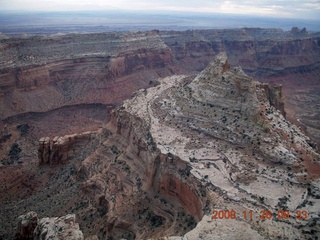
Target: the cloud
(284, 8)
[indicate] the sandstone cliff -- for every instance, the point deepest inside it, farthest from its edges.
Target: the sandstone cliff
(44, 73)
(274, 94)
(60, 149)
(141, 192)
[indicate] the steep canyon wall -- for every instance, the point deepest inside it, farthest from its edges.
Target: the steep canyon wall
(39, 73)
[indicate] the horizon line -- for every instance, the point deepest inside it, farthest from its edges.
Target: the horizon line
(161, 11)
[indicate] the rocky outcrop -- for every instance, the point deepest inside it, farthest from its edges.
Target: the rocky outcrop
(60, 149)
(275, 96)
(242, 149)
(58, 228)
(219, 87)
(26, 226)
(268, 55)
(66, 227)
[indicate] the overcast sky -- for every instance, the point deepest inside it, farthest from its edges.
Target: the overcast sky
(306, 9)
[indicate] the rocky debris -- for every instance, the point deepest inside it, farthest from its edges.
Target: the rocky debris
(30, 227)
(26, 226)
(60, 149)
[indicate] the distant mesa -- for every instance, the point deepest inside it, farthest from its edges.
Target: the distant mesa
(297, 30)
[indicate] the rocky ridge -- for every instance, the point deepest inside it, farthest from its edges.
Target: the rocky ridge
(238, 146)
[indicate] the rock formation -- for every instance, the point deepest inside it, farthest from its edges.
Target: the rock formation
(26, 226)
(139, 191)
(29, 227)
(221, 88)
(60, 149)
(275, 95)
(58, 228)
(242, 149)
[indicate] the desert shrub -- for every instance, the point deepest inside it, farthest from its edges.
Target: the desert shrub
(23, 129)
(115, 150)
(14, 152)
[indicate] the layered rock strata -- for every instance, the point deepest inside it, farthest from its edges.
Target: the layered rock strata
(60, 149)
(44, 72)
(40, 73)
(140, 192)
(238, 146)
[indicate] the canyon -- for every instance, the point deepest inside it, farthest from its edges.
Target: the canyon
(199, 136)
(40, 73)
